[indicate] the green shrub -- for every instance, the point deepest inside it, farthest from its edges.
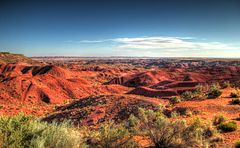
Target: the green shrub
(133, 124)
(235, 101)
(235, 94)
(225, 85)
(219, 119)
(236, 84)
(214, 92)
(174, 100)
(161, 131)
(188, 113)
(24, 131)
(183, 111)
(187, 95)
(200, 91)
(111, 135)
(228, 126)
(174, 114)
(198, 134)
(166, 133)
(58, 135)
(17, 131)
(237, 144)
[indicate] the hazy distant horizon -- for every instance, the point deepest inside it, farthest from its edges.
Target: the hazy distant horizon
(134, 57)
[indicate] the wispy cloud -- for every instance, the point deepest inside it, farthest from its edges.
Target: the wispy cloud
(161, 42)
(170, 43)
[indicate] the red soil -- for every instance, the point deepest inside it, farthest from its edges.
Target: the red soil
(141, 79)
(50, 84)
(96, 109)
(148, 92)
(37, 89)
(209, 108)
(173, 81)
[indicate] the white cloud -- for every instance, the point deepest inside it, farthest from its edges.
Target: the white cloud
(160, 42)
(161, 46)
(170, 43)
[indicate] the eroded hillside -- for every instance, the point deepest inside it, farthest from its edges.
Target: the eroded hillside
(92, 91)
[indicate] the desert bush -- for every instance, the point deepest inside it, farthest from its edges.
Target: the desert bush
(187, 95)
(235, 101)
(111, 135)
(174, 114)
(161, 131)
(188, 113)
(237, 144)
(25, 131)
(228, 126)
(58, 135)
(234, 95)
(133, 124)
(218, 119)
(183, 111)
(17, 131)
(161, 107)
(235, 84)
(174, 100)
(214, 91)
(193, 131)
(225, 85)
(200, 91)
(164, 133)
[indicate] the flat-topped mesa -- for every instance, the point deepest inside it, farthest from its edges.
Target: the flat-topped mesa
(6, 57)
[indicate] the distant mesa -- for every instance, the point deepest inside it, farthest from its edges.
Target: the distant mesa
(7, 57)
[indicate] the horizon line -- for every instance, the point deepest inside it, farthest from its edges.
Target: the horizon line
(194, 57)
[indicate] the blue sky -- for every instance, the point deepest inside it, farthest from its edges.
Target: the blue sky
(156, 28)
